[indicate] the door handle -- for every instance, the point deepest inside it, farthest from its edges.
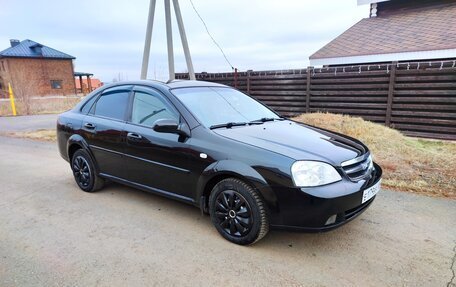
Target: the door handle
(89, 126)
(134, 136)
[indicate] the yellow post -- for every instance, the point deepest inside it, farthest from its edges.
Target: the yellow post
(11, 96)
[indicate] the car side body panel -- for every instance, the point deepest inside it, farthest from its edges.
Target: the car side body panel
(68, 126)
(231, 168)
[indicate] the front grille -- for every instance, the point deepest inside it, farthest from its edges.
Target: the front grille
(359, 167)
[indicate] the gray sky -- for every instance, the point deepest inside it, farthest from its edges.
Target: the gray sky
(107, 37)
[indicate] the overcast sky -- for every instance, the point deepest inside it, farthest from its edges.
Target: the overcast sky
(107, 37)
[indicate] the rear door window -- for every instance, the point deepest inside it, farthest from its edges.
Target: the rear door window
(86, 108)
(112, 104)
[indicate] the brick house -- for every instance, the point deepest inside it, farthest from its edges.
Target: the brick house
(396, 30)
(36, 70)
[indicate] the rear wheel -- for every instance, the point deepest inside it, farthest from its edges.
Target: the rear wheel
(84, 172)
(238, 212)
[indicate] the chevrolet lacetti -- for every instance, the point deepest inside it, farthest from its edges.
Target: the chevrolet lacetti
(215, 147)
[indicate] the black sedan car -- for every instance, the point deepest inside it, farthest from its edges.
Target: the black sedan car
(215, 147)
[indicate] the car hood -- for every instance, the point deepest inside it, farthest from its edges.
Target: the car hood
(297, 141)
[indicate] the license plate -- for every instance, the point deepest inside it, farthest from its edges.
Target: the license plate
(371, 192)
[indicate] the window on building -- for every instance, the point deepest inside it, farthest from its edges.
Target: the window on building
(3, 66)
(56, 84)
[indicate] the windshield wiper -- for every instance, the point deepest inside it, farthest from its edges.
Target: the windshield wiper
(263, 120)
(228, 125)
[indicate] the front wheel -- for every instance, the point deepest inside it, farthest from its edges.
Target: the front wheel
(238, 212)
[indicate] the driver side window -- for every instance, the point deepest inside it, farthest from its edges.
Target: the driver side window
(148, 108)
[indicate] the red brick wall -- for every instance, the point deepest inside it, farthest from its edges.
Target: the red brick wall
(34, 76)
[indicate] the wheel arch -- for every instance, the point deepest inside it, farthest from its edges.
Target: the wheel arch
(223, 169)
(76, 142)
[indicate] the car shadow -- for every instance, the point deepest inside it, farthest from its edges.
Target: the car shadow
(186, 214)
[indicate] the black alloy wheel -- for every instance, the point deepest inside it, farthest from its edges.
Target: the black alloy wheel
(238, 212)
(81, 171)
(84, 172)
(233, 213)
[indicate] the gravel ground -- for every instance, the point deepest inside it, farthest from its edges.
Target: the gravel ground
(53, 234)
(27, 123)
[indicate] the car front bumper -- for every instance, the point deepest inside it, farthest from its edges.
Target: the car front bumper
(309, 209)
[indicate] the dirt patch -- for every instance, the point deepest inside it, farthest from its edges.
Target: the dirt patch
(41, 135)
(409, 164)
(52, 233)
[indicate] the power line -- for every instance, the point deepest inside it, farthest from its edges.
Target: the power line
(213, 40)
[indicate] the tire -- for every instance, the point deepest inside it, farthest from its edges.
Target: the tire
(238, 212)
(84, 172)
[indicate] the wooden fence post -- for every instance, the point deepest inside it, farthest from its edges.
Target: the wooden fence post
(236, 78)
(389, 103)
(308, 90)
(248, 81)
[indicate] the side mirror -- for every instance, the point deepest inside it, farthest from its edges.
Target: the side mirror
(172, 127)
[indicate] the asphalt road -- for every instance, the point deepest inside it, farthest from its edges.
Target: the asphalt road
(53, 234)
(27, 123)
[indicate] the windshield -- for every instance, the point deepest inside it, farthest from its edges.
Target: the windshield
(219, 106)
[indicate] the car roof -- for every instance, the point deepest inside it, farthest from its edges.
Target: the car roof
(188, 83)
(169, 85)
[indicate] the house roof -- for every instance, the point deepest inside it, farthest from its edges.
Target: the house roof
(430, 29)
(82, 74)
(27, 49)
(362, 2)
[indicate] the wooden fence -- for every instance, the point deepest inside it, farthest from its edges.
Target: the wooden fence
(417, 98)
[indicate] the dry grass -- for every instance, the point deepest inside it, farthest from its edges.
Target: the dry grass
(409, 164)
(42, 135)
(43, 105)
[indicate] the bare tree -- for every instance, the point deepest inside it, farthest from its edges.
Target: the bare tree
(3, 88)
(24, 87)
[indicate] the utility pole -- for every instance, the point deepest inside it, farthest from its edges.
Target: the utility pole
(150, 24)
(169, 40)
(180, 24)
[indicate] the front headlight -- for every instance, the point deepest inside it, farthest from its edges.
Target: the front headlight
(313, 173)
